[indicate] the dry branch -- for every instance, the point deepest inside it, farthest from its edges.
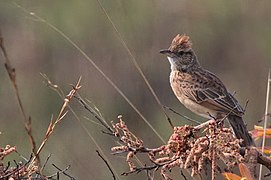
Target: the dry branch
(187, 148)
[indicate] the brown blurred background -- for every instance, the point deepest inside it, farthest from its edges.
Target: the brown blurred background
(231, 38)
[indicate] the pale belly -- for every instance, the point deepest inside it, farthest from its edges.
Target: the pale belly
(190, 104)
(197, 108)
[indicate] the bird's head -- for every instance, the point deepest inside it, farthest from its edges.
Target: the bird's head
(180, 53)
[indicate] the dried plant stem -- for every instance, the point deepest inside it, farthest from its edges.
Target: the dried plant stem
(185, 117)
(107, 164)
(265, 117)
(63, 171)
(93, 141)
(60, 93)
(135, 62)
(52, 125)
(12, 76)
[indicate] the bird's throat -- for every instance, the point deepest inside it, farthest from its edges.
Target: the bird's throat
(175, 65)
(172, 62)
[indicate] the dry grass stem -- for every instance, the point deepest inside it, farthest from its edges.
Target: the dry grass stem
(53, 124)
(265, 115)
(135, 62)
(12, 76)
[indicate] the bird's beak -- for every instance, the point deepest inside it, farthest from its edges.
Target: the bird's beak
(165, 51)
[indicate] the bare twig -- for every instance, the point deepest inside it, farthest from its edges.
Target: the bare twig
(12, 77)
(54, 87)
(19, 171)
(61, 171)
(140, 169)
(45, 163)
(60, 116)
(91, 111)
(182, 174)
(246, 105)
(187, 118)
(114, 177)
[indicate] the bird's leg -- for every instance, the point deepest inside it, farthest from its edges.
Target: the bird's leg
(220, 123)
(207, 123)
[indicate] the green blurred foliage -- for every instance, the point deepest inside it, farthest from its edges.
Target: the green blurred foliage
(231, 38)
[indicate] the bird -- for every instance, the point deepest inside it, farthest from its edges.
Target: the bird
(201, 91)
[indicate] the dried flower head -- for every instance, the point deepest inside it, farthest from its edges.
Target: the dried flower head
(185, 149)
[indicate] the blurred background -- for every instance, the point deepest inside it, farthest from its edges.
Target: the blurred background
(231, 39)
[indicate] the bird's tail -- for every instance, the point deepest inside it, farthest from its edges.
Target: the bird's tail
(240, 130)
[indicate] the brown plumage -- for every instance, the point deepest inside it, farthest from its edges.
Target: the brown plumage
(180, 42)
(200, 90)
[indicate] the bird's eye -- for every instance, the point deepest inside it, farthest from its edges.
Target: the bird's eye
(186, 54)
(181, 53)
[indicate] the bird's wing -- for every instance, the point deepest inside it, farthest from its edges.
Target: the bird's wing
(206, 89)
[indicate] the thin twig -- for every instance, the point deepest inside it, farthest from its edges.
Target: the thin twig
(147, 168)
(246, 104)
(24, 158)
(134, 61)
(229, 113)
(182, 174)
(187, 118)
(12, 76)
(92, 121)
(45, 163)
(63, 171)
(89, 109)
(12, 172)
(54, 87)
(114, 177)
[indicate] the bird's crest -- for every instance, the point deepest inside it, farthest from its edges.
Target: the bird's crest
(180, 43)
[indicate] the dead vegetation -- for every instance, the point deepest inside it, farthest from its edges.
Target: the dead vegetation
(30, 168)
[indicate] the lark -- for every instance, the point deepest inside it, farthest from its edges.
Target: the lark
(202, 91)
